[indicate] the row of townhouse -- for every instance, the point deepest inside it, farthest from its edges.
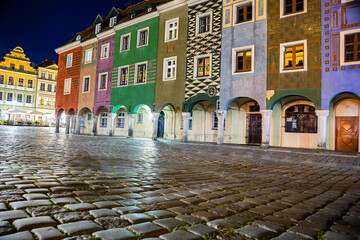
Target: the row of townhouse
(27, 93)
(268, 72)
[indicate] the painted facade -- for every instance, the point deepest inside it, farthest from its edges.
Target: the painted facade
(18, 81)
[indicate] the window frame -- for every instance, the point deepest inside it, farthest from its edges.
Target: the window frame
(165, 68)
(140, 120)
(41, 87)
(167, 29)
(23, 82)
(282, 57)
(288, 114)
(2, 78)
(103, 120)
(49, 85)
(282, 9)
(107, 45)
(87, 51)
(214, 121)
(28, 83)
(122, 42)
(235, 11)
(17, 98)
(69, 86)
(342, 47)
(99, 81)
(27, 97)
(13, 81)
(136, 72)
(198, 16)
(112, 21)
(196, 66)
(69, 59)
(1, 96)
(12, 96)
(138, 37)
(83, 86)
(119, 76)
(120, 117)
(234, 59)
(97, 28)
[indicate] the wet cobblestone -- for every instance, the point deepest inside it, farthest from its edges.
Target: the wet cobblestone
(85, 187)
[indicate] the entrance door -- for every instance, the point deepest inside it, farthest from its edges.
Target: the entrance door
(347, 134)
(255, 129)
(161, 125)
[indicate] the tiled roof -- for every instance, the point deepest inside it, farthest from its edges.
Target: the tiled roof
(47, 63)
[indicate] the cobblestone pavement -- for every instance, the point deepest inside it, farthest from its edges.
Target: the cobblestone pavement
(56, 186)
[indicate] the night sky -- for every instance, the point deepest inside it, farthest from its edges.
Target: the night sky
(41, 26)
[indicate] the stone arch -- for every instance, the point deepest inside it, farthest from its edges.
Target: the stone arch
(191, 102)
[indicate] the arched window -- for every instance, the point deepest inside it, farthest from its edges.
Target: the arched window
(103, 120)
(301, 119)
(120, 120)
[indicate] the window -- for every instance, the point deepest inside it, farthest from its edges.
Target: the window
(169, 69)
(28, 99)
(69, 58)
(121, 120)
(86, 84)
(11, 81)
(140, 118)
(190, 121)
(215, 122)
(352, 47)
(105, 51)
(9, 97)
(293, 56)
(112, 21)
(143, 35)
(204, 23)
(243, 59)
(88, 55)
(12, 66)
(21, 82)
(103, 120)
(123, 76)
(50, 76)
(89, 116)
(243, 13)
(103, 81)
(292, 7)
(19, 98)
(42, 86)
(125, 42)
(30, 83)
(171, 31)
(2, 78)
(41, 101)
(67, 86)
(43, 75)
(78, 37)
(48, 102)
(301, 119)
(203, 66)
(54, 88)
(140, 73)
(1, 95)
(97, 28)
(49, 89)
(21, 67)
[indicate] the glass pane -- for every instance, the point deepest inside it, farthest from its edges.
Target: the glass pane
(288, 9)
(207, 66)
(248, 61)
(288, 2)
(240, 62)
(349, 39)
(288, 57)
(349, 48)
(299, 7)
(349, 57)
(299, 56)
(249, 12)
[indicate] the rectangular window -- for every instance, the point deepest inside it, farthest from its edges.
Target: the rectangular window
(67, 86)
(86, 84)
(2, 79)
(41, 101)
(19, 98)
(88, 55)
(21, 82)
(97, 28)
(21, 67)
(215, 121)
(9, 97)
(352, 47)
(42, 86)
(204, 23)
(54, 88)
(105, 51)
(125, 42)
(203, 66)
(143, 37)
(12, 66)
(103, 81)
(293, 6)
(69, 58)
(43, 75)
(11, 81)
(190, 121)
(120, 120)
(103, 120)
(112, 21)
(28, 99)
(141, 73)
(123, 76)
(30, 83)
(171, 32)
(49, 89)
(244, 13)
(294, 57)
(140, 118)
(1, 95)
(169, 69)
(243, 61)
(50, 76)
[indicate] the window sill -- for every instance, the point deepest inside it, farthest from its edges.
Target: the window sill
(292, 14)
(203, 34)
(170, 40)
(169, 79)
(242, 23)
(293, 70)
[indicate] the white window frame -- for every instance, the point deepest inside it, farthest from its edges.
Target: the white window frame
(103, 51)
(106, 80)
(235, 50)
(97, 28)
(65, 85)
(138, 37)
(196, 67)
(105, 121)
(83, 88)
(292, 14)
(88, 53)
(198, 22)
(140, 120)
(242, 4)
(69, 59)
(47, 89)
(112, 21)
(121, 42)
(78, 37)
(342, 47)
(136, 72)
(167, 29)
(120, 117)
(281, 57)
(165, 68)
(119, 75)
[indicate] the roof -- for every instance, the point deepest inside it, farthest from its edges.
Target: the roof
(46, 63)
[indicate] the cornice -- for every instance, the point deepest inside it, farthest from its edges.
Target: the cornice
(136, 20)
(67, 47)
(90, 41)
(171, 5)
(195, 2)
(105, 34)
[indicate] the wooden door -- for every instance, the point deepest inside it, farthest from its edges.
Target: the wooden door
(255, 129)
(347, 134)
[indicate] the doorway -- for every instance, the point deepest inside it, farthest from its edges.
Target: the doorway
(255, 129)
(161, 125)
(347, 134)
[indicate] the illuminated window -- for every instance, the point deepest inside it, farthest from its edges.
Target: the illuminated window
(103, 81)
(88, 55)
(67, 86)
(301, 119)
(123, 76)
(203, 66)
(243, 60)
(293, 56)
(140, 72)
(69, 59)
(121, 120)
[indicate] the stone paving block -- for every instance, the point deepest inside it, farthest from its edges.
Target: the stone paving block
(137, 217)
(169, 223)
(83, 193)
(61, 189)
(35, 196)
(314, 225)
(231, 236)
(329, 235)
(31, 203)
(128, 209)
(303, 231)
(180, 210)
(81, 227)
(3, 207)
(160, 214)
(222, 224)
(147, 229)
(47, 233)
(36, 190)
(80, 206)
(238, 219)
(26, 235)
(5, 228)
(112, 197)
(19, 182)
(115, 234)
(132, 196)
(24, 186)
(279, 221)
(268, 226)
(111, 222)
(106, 204)
(103, 213)
(189, 219)
(175, 203)
(180, 235)
(47, 184)
(202, 230)
(288, 236)
(129, 202)
(66, 217)
(4, 187)
(206, 216)
(34, 222)
(12, 215)
(63, 200)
